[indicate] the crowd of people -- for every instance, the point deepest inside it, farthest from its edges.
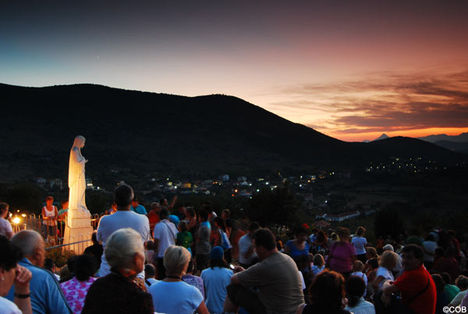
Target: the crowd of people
(182, 260)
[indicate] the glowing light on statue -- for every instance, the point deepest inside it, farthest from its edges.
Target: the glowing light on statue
(77, 180)
(78, 228)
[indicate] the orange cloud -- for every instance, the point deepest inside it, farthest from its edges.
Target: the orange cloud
(396, 104)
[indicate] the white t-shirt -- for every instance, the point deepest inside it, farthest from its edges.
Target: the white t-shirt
(215, 281)
(175, 297)
(8, 307)
(359, 244)
(166, 233)
(121, 219)
(245, 242)
(385, 273)
(458, 298)
(5, 227)
(361, 275)
(399, 266)
(363, 307)
(302, 280)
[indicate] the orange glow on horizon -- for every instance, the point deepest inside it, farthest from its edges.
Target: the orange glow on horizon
(359, 137)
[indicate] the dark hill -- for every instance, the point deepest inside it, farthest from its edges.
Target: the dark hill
(142, 133)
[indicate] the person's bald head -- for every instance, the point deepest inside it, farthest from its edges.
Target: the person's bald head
(32, 245)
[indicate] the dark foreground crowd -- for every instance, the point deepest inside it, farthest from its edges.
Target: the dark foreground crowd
(180, 261)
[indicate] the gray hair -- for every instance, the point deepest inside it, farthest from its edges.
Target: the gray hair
(388, 259)
(27, 241)
(175, 259)
(122, 246)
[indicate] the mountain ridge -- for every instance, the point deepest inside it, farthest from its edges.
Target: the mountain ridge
(147, 132)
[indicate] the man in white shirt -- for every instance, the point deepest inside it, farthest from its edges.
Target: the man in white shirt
(123, 218)
(247, 255)
(165, 234)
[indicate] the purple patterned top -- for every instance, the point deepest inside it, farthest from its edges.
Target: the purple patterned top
(75, 292)
(196, 282)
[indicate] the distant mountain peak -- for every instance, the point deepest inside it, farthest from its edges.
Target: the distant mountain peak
(457, 143)
(381, 137)
(460, 138)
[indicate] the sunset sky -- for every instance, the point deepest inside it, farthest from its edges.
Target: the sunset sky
(349, 69)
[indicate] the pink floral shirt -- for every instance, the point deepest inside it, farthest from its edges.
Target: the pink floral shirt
(75, 292)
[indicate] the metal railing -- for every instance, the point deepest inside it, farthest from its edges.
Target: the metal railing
(54, 234)
(78, 246)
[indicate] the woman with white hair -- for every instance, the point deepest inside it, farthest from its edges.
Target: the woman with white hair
(118, 292)
(387, 263)
(172, 295)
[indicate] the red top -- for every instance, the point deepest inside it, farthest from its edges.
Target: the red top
(411, 283)
(215, 238)
(153, 218)
(446, 264)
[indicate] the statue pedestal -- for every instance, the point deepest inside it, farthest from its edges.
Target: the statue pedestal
(78, 229)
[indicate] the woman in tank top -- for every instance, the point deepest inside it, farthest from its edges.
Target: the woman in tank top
(49, 217)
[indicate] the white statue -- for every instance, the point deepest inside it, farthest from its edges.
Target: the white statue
(77, 181)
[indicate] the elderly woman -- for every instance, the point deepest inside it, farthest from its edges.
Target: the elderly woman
(118, 292)
(11, 273)
(384, 273)
(172, 295)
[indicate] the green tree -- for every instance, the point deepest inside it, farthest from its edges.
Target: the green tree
(25, 196)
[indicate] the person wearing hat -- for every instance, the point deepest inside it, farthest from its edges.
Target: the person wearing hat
(216, 278)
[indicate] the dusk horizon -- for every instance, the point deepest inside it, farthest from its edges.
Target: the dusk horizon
(418, 133)
(349, 70)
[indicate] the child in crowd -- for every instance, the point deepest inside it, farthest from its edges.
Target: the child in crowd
(184, 237)
(358, 268)
(149, 251)
(49, 264)
(319, 264)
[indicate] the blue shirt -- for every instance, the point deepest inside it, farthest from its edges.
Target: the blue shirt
(46, 295)
(175, 297)
(140, 209)
(216, 280)
(294, 251)
(206, 224)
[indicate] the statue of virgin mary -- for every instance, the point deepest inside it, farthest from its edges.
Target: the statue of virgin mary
(77, 181)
